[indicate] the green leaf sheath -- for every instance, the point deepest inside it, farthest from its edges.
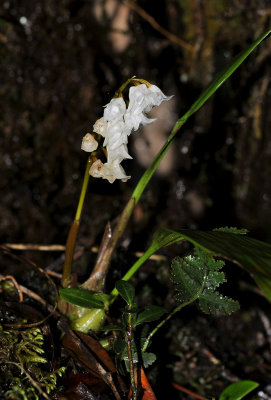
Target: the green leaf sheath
(150, 313)
(238, 390)
(126, 290)
(82, 298)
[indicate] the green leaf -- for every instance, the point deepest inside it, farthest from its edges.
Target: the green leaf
(126, 290)
(148, 359)
(216, 278)
(238, 390)
(211, 301)
(188, 275)
(220, 78)
(231, 230)
(208, 92)
(103, 297)
(196, 278)
(81, 298)
(150, 313)
(253, 255)
(111, 328)
(119, 346)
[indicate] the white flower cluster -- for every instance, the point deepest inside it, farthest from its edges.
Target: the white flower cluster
(116, 125)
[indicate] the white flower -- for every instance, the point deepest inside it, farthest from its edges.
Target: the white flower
(142, 100)
(119, 154)
(89, 144)
(155, 97)
(110, 171)
(115, 110)
(117, 124)
(133, 121)
(100, 127)
(95, 169)
(116, 134)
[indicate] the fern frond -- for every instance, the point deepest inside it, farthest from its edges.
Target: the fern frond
(211, 301)
(197, 278)
(188, 275)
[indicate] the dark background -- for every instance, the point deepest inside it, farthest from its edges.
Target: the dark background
(61, 61)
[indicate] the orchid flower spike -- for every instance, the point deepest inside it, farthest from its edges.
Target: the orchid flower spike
(117, 124)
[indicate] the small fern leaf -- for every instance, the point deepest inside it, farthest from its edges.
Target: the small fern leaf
(215, 278)
(188, 275)
(210, 302)
(208, 260)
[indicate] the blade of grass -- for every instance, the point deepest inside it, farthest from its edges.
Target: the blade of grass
(207, 93)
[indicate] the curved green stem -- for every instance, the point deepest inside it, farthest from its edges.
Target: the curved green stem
(83, 190)
(174, 311)
(132, 271)
(71, 240)
(147, 342)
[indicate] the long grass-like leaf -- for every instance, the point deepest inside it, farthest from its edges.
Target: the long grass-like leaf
(253, 255)
(208, 92)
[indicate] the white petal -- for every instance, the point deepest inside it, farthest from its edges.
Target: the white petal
(117, 134)
(155, 97)
(119, 154)
(137, 98)
(115, 109)
(95, 169)
(133, 121)
(118, 171)
(109, 171)
(100, 127)
(89, 144)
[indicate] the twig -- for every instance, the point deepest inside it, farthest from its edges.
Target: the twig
(54, 274)
(39, 247)
(105, 375)
(26, 260)
(61, 247)
(266, 324)
(33, 383)
(156, 26)
(26, 291)
(187, 391)
(15, 283)
(129, 342)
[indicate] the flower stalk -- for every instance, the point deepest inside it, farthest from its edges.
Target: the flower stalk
(72, 236)
(115, 126)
